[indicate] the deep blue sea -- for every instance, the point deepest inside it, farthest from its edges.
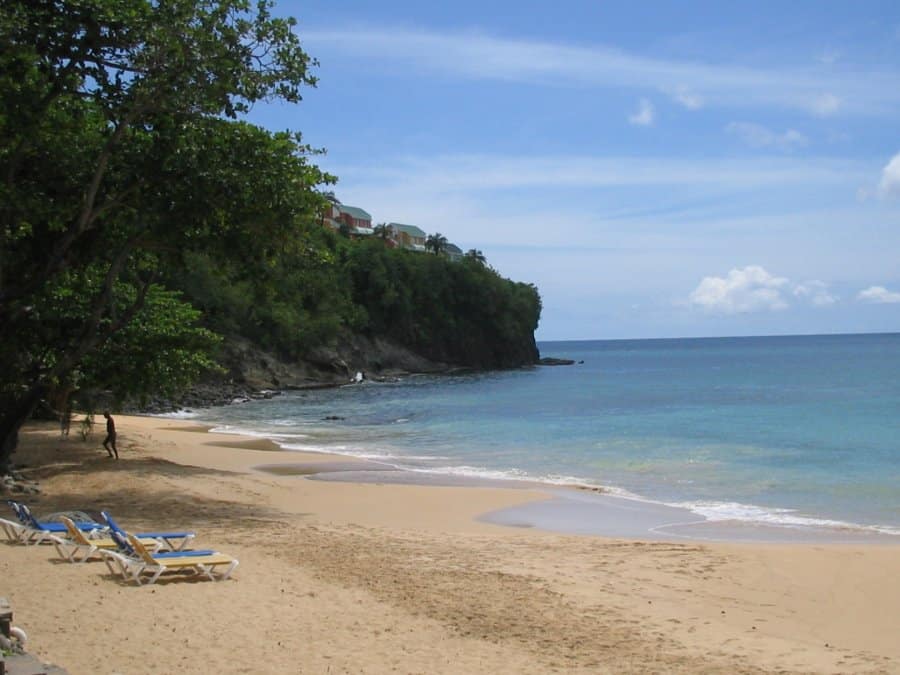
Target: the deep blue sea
(794, 430)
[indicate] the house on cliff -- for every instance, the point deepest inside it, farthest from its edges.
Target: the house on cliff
(358, 221)
(453, 252)
(408, 236)
(355, 220)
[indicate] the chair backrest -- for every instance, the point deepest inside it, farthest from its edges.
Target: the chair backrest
(75, 534)
(141, 550)
(122, 543)
(29, 518)
(17, 509)
(113, 525)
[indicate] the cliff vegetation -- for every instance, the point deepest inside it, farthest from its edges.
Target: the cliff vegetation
(141, 220)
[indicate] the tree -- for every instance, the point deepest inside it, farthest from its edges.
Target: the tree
(383, 231)
(476, 255)
(436, 243)
(118, 156)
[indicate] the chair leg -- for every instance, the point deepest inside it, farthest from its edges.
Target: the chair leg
(231, 568)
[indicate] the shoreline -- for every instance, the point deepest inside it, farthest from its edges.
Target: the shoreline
(573, 508)
(377, 577)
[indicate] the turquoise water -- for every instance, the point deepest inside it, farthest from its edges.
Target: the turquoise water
(790, 430)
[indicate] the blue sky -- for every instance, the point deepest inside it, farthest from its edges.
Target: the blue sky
(657, 169)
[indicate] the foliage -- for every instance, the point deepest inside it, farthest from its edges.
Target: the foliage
(436, 243)
(463, 313)
(119, 156)
(476, 255)
(139, 217)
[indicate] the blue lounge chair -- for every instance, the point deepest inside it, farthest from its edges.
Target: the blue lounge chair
(167, 539)
(37, 532)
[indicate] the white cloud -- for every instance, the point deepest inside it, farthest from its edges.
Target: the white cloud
(890, 178)
(751, 289)
(688, 99)
(644, 116)
(474, 55)
(758, 136)
(479, 172)
(878, 295)
(815, 292)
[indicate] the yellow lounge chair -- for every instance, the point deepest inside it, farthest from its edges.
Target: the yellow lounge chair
(206, 565)
(77, 543)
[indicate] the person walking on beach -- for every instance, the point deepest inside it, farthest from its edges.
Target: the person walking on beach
(110, 440)
(65, 420)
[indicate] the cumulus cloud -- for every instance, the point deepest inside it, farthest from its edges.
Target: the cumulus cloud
(878, 295)
(890, 178)
(815, 292)
(753, 289)
(750, 289)
(644, 116)
(758, 136)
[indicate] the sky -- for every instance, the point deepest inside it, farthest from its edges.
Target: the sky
(662, 169)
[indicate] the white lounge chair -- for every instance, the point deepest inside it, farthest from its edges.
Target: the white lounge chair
(215, 566)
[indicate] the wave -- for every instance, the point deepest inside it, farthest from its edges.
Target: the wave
(713, 511)
(750, 513)
(242, 431)
(177, 415)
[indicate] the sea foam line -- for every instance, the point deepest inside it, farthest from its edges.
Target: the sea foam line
(712, 511)
(750, 513)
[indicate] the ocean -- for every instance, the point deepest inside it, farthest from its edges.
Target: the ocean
(795, 431)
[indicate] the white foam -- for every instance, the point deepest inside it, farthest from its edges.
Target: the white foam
(475, 472)
(749, 513)
(710, 510)
(242, 431)
(178, 415)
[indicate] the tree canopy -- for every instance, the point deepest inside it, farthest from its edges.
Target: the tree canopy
(119, 155)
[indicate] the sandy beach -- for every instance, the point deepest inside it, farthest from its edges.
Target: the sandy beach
(340, 577)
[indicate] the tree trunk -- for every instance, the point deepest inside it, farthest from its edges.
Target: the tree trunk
(13, 419)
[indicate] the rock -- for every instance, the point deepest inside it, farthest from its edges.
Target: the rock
(550, 361)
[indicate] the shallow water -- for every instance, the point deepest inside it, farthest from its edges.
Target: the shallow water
(794, 431)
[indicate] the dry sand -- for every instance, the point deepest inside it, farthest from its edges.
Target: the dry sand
(340, 577)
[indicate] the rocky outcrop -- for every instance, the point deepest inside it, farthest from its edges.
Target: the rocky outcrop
(253, 373)
(256, 369)
(550, 361)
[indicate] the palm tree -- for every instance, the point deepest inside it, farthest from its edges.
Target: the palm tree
(436, 242)
(383, 230)
(476, 255)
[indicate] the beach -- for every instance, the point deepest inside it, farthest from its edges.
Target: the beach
(337, 576)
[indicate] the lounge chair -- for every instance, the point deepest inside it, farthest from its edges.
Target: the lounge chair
(205, 565)
(128, 562)
(77, 543)
(37, 532)
(14, 531)
(173, 541)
